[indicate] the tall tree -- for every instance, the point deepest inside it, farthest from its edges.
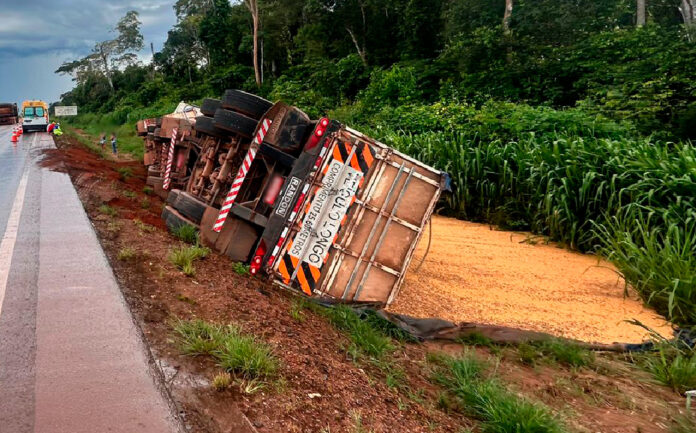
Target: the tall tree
(108, 56)
(640, 13)
(253, 7)
(507, 16)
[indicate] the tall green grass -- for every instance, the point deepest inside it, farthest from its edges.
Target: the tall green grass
(234, 350)
(485, 398)
(634, 201)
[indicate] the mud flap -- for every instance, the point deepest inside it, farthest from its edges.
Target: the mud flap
(236, 240)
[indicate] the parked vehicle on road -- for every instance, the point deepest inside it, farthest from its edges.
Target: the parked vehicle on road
(313, 205)
(34, 116)
(8, 113)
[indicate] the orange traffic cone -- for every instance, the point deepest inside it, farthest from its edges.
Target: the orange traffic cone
(14, 138)
(20, 130)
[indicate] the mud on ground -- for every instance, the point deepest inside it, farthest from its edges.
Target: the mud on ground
(320, 388)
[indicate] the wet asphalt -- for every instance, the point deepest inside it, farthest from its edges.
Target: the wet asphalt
(71, 358)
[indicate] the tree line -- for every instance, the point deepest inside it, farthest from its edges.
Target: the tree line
(630, 60)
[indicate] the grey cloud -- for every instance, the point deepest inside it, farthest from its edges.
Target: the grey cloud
(38, 35)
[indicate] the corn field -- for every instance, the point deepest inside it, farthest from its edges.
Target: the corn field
(633, 202)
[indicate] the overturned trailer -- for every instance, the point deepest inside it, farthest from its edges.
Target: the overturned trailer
(313, 205)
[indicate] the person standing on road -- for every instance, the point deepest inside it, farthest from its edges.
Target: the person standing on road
(102, 140)
(113, 143)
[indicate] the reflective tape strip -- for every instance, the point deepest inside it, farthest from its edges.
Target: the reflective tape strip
(241, 175)
(170, 161)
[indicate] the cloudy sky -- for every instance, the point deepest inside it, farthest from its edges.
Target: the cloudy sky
(37, 36)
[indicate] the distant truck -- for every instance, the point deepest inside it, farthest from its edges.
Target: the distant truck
(34, 116)
(8, 113)
(313, 205)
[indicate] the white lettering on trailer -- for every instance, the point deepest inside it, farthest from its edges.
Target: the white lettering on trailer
(316, 236)
(290, 192)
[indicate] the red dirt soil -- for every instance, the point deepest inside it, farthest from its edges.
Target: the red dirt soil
(311, 351)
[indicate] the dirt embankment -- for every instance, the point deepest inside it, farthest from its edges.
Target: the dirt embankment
(476, 274)
(321, 389)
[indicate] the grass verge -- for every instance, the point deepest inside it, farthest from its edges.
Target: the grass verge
(485, 398)
(235, 351)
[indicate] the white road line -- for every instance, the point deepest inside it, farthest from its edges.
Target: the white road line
(8, 241)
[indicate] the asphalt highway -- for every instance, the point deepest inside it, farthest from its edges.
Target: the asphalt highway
(71, 357)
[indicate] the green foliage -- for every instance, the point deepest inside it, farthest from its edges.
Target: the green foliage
(186, 233)
(499, 410)
(542, 128)
(184, 257)
(365, 339)
(655, 253)
(240, 268)
(125, 172)
(246, 355)
(555, 351)
(672, 364)
(197, 337)
(126, 254)
(235, 351)
(108, 210)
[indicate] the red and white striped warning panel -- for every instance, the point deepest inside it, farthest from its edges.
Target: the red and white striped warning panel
(170, 160)
(241, 175)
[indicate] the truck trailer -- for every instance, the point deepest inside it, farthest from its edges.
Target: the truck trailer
(313, 205)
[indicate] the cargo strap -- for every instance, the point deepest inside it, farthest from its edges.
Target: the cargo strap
(241, 175)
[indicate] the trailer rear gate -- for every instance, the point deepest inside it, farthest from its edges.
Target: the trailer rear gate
(360, 223)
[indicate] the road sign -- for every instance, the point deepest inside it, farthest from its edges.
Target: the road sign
(68, 110)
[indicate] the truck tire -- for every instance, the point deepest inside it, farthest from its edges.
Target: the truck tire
(172, 197)
(189, 206)
(209, 106)
(205, 125)
(234, 122)
(246, 103)
(151, 128)
(174, 219)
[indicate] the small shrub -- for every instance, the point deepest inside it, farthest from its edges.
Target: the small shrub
(245, 355)
(129, 194)
(108, 210)
(148, 190)
(126, 254)
(364, 338)
(125, 172)
(240, 268)
(143, 227)
(197, 337)
(145, 203)
(186, 233)
(222, 381)
(672, 366)
(567, 353)
(184, 257)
